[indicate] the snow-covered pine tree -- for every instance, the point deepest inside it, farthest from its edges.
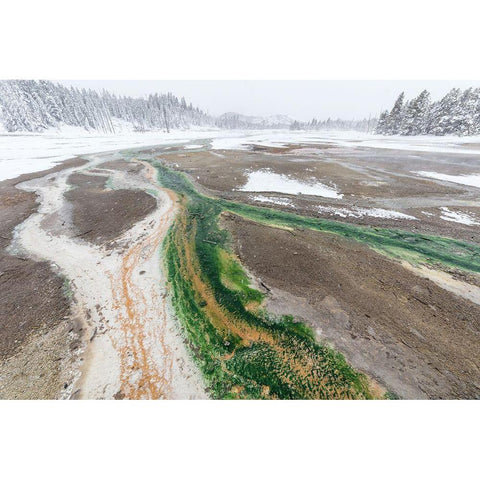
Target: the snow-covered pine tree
(476, 112)
(415, 116)
(382, 124)
(395, 118)
(13, 108)
(51, 101)
(468, 103)
(449, 115)
(457, 113)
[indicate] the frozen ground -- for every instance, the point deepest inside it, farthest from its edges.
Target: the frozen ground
(23, 153)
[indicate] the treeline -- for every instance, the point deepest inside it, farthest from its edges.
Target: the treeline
(365, 125)
(33, 106)
(232, 120)
(457, 113)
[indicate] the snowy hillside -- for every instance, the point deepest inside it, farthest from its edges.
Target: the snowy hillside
(457, 113)
(34, 106)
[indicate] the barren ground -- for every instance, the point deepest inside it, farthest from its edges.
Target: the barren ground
(105, 240)
(412, 336)
(84, 305)
(39, 334)
(415, 330)
(367, 178)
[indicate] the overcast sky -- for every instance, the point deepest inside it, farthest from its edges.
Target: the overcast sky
(302, 100)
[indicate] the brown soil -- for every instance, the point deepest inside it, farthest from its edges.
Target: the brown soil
(30, 293)
(122, 165)
(368, 178)
(40, 337)
(101, 215)
(415, 338)
(32, 305)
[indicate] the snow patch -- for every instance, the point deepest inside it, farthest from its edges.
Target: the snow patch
(268, 181)
(192, 147)
(285, 202)
(472, 180)
(458, 217)
(358, 212)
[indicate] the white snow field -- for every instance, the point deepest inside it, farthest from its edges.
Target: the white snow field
(30, 152)
(470, 180)
(24, 153)
(239, 140)
(268, 181)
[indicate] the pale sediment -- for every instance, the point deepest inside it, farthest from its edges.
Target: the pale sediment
(132, 347)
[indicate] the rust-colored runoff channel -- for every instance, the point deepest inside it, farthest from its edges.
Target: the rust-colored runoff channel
(143, 326)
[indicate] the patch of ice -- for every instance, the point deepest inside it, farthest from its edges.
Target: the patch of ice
(268, 181)
(470, 180)
(458, 217)
(358, 212)
(192, 147)
(275, 200)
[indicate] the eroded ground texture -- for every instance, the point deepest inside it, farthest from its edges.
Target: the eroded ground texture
(415, 329)
(86, 310)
